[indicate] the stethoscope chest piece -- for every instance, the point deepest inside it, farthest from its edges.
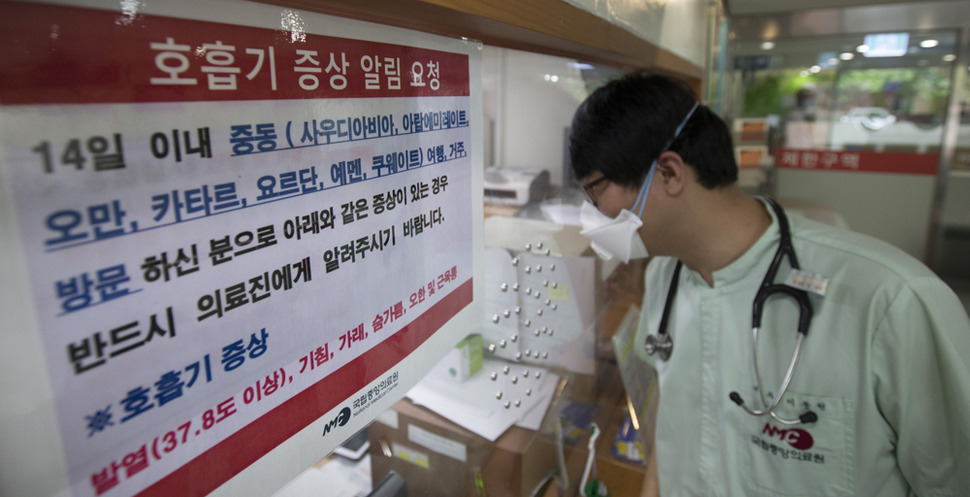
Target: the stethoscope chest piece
(661, 345)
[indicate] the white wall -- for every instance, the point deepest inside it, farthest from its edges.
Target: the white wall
(529, 100)
(892, 207)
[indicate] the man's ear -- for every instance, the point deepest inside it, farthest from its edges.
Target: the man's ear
(673, 170)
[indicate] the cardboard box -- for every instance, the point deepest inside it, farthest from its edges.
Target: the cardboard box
(438, 457)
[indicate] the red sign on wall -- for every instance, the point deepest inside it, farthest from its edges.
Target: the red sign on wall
(860, 162)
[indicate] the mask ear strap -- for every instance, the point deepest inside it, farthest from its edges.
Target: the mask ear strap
(683, 123)
(642, 196)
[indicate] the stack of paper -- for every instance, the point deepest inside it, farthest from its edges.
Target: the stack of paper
(479, 404)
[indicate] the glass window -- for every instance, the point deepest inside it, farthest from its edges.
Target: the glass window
(838, 93)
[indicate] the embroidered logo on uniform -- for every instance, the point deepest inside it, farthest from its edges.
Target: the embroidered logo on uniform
(796, 437)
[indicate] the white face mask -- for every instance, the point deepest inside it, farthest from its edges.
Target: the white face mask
(613, 237)
(620, 237)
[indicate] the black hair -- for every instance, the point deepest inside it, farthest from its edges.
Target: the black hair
(802, 96)
(623, 126)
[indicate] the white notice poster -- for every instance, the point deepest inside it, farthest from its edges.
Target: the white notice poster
(227, 230)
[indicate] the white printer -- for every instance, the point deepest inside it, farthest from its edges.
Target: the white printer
(516, 186)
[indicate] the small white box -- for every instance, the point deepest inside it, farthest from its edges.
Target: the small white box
(461, 362)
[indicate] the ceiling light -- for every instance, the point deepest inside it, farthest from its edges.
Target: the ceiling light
(862, 48)
(929, 43)
(768, 45)
(949, 57)
(815, 69)
(804, 74)
(846, 55)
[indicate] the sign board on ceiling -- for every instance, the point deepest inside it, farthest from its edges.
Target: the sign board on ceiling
(222, 235)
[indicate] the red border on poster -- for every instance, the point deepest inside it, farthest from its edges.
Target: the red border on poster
(69, 55)
(859, 162)
(217, 465)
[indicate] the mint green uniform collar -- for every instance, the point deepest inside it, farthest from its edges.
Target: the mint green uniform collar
(753, 259)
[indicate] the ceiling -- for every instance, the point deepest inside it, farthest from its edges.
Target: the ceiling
(749, 7)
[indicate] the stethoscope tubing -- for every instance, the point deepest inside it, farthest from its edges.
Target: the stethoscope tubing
(662, 344)
(770, 409)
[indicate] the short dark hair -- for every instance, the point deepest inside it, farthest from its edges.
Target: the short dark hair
(803, 95)
(623, 126)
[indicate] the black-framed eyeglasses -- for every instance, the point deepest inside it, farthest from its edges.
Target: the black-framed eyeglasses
(588, 188)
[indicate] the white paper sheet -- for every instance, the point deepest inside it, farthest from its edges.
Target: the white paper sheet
(474, 404)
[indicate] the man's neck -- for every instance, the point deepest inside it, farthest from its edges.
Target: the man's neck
(726, 223)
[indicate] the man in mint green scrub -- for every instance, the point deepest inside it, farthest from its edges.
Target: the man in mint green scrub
(878, 403)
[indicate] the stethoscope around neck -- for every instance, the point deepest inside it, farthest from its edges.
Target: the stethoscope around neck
(662, 345)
